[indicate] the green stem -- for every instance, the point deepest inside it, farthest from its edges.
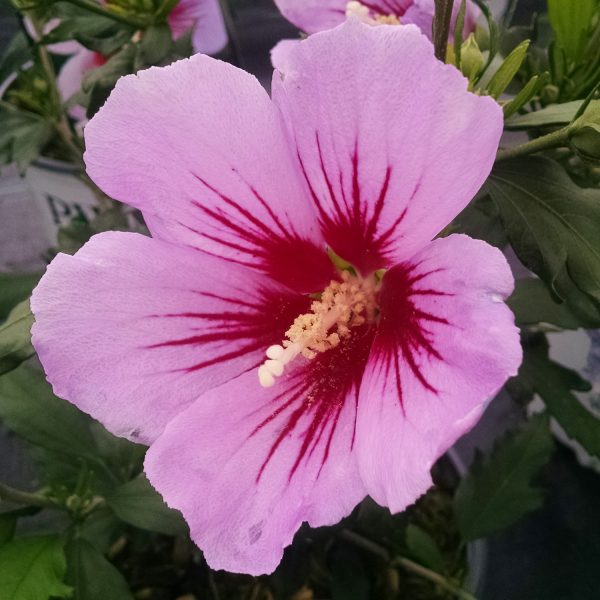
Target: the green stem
(234, 44)
(556, 139)
(407, 564)
(61, 123)
(441, 27)
(9, 494)
(97, 8)
(434, 577)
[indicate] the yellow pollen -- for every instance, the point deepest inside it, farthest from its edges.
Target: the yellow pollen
(343, 305)
(362, 12)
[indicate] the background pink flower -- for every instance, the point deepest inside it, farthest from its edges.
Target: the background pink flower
(316, 15)
(160, 338)
(203, 17)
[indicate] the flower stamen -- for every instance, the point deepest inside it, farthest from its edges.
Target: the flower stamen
(362, 12)
(343, 305)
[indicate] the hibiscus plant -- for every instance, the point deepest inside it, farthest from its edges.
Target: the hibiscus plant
(244, 377)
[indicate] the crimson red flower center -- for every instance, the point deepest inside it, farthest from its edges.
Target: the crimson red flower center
(344, 304)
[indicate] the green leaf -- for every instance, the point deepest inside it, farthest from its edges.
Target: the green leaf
(15, 287)
(497, 491)
(156, 45)
(532, 303)
(585, 132)
(33, 568)
(555, 114)
(554, 384)
(15, 337)
(67, 443)
(99, 82)
(8, 524)
(494, 35)
(570, 22)
(17, 53)
(29, 408)
(458, 35)
(95, 32)
(529, 90)
(508, 69)
(551, 223)
(101, 528)
(481, 220)
(92, 576)
(23, 136)
(140, 505)
(423, 548)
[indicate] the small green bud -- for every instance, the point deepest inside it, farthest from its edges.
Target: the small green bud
(585, 133)
(40, 85)
(73, 503)
(549, 95)
(471, 58)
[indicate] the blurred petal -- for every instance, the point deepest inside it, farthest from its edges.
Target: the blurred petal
(318, 15)
(132, 330)
(421, 13)
(313, 15)
(391, 143)
(446, 343)
(199, 147)
(209, 34)
(67, 47)
(71, 76)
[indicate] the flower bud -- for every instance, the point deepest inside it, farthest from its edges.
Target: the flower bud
(549, 94)
(471, 58)
(585, 133)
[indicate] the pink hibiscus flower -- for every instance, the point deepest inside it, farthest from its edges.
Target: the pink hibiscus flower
(317, 15)
(203, 17)
(272, 387)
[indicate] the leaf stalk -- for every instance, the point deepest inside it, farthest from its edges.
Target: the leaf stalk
(10, 494)
(556, 139)
(406, 563)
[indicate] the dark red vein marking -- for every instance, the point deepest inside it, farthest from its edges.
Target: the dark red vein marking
(316, 394)
(385, 7)
(228, 335)
(403, 337)
(352, 224)
(267, 244)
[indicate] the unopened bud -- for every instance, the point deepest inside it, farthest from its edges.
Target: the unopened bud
(585, 133)
(549, 95)
(73, 503)
(471, 58)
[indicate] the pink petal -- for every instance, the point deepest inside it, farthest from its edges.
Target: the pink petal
(201, 150)
(446, 343)
(71, 76)
(247, 465)
(318, 15)
(422, 11)
(280, 53)
(209, 35)
(67, 47)
(392, 144)
(132, 329)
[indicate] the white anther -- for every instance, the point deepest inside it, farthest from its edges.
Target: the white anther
(356, 9)
(275, 351)
(344, 304)
(265, 377)
(274, 367)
